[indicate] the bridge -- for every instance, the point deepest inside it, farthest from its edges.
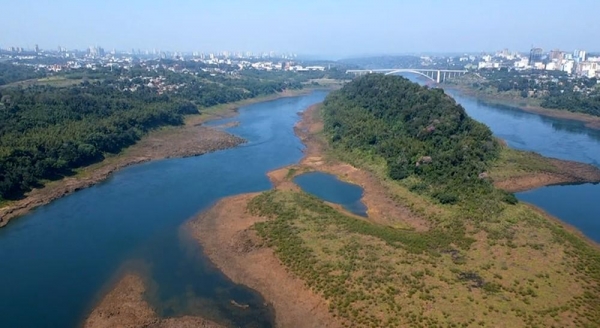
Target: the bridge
(435, 75)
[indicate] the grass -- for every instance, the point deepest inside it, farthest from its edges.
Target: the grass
(54, 81)
(514, 164)
(482, 263)
(377, 276)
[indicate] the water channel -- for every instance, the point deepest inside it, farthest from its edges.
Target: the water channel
(56, 260)
(564, 139)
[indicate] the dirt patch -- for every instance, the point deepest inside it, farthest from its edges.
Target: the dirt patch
(189, 140)
(124, 306)
(228, 240)
(565, 172)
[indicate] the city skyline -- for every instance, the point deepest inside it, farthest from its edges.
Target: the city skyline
(325, 28)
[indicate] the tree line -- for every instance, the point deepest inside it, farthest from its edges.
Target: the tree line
(46, 132)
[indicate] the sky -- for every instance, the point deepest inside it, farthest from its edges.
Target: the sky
(340, 28)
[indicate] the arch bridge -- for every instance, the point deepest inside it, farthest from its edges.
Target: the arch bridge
(435, 75)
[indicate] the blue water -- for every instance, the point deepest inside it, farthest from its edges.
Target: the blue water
(57, 260)
(329, 188)
(577, 205)
(582, 207)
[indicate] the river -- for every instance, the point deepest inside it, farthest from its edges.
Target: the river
(559, 138)
(564, 139)
(57, 260)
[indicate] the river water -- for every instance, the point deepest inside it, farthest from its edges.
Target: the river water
(577, 205)
(329, 188)
(57, 260)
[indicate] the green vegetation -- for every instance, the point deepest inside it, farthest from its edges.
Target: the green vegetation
(11, 73)
(378, 276)
(548, 89)
(486, 260)
(420, 132)
(514, 164)
(45, 132)
(49, 129)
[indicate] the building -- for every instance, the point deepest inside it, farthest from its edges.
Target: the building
(535, 55)
(556, 55)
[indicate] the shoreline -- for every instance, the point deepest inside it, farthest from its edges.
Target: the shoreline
(228, 239)
(589, 121)
(566, 172)
(240, 254)
(124, 306)
(226, 234)
(225, 230)
(163, 143)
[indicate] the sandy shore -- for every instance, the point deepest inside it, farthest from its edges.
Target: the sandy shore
(125, 307)
(188, 140)
(191, 139)
(228, 240)
(224, 232)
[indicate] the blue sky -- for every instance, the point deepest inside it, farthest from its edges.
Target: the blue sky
(325, 27)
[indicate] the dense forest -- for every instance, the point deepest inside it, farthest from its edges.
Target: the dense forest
(420, 132)
(47, 131)
(11, 73)
(574, 102)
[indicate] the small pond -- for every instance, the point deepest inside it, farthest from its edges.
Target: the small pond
(329, 188)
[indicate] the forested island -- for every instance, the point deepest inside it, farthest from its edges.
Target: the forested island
(443, 246)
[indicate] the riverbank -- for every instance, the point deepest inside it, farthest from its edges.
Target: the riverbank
(590, 121)
(228, 233)
(191, 139)
(125, 307)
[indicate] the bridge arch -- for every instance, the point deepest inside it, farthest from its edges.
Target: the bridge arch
(411, 71)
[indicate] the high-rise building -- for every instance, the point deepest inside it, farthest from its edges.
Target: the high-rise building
(37, 49)
(535, 55)
(556, 55)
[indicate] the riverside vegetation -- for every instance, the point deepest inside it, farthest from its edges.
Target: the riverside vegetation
(485, 260)
(544, 89)
(53, 126)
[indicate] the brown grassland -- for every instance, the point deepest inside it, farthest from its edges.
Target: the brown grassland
(414, 262)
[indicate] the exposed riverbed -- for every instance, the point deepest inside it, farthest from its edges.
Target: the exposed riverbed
(59, 258)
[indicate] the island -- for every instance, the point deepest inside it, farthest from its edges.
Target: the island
(445, 242)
